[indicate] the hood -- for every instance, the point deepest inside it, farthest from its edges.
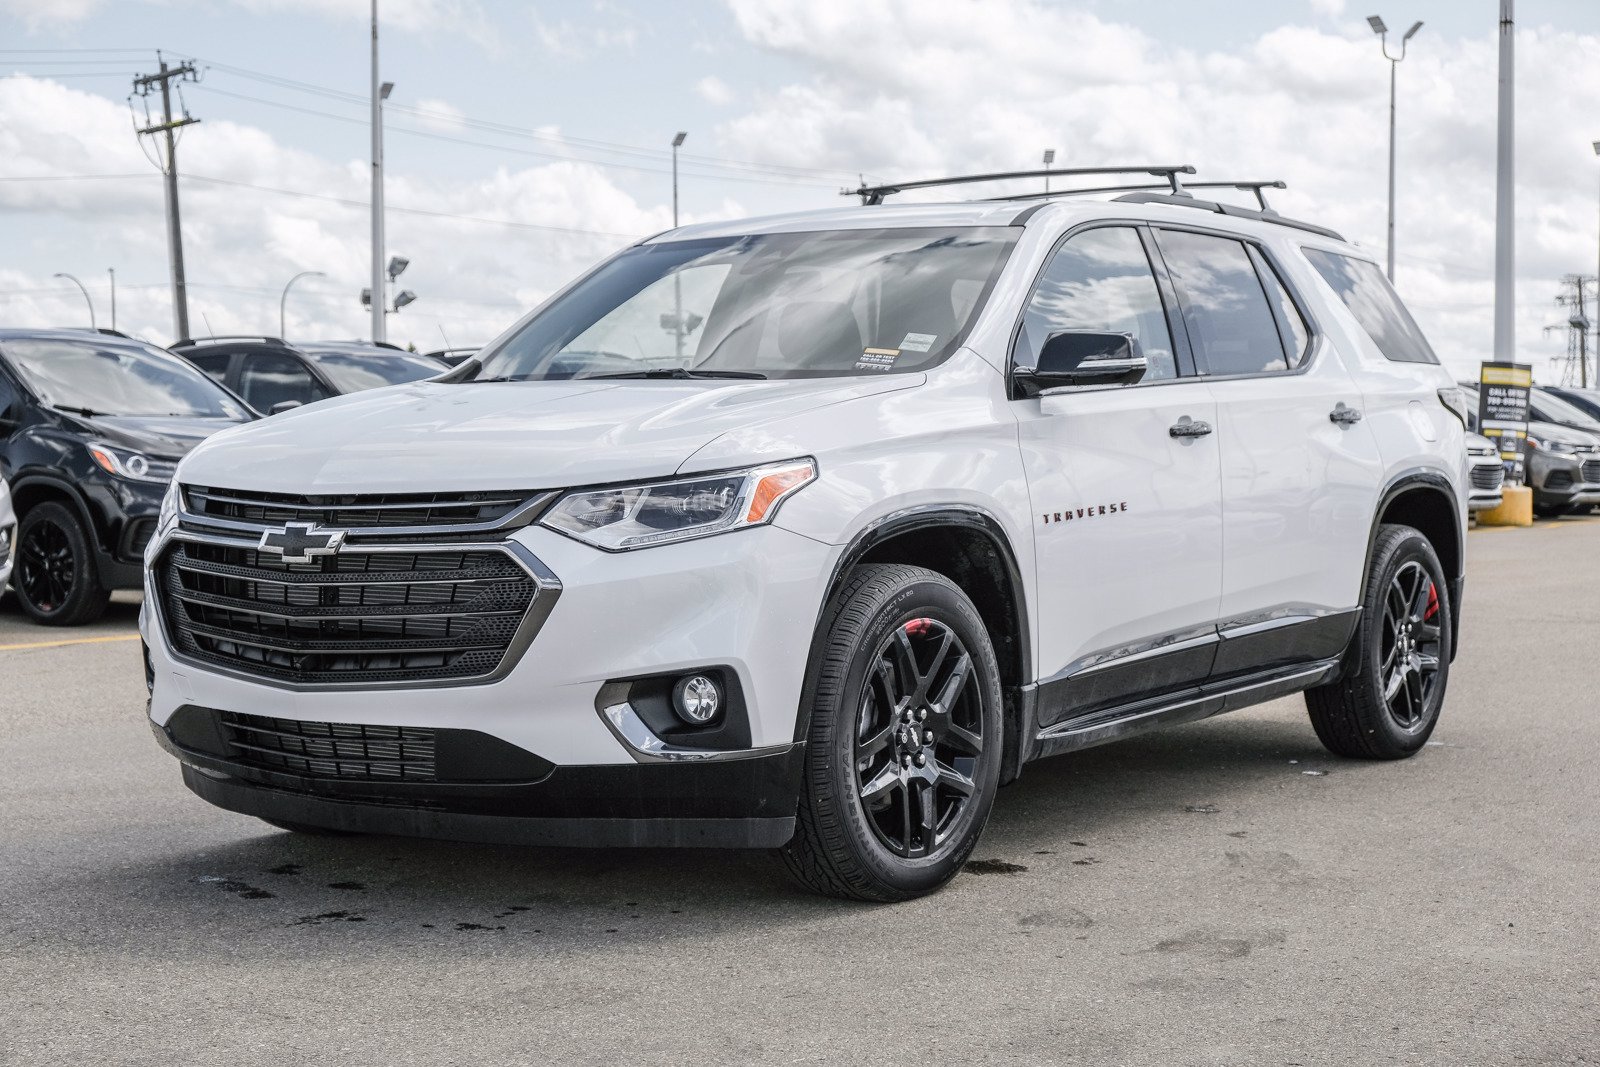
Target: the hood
(1561, 432)
(434, 437)
(166, 436)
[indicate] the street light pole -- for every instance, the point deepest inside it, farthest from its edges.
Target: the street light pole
(677, 143)
(1382, 31)
(380, 93)
(86, 299)
(1597, 297)
(283, 301)
(1049, 158)
(113, 272)
(1505, 195)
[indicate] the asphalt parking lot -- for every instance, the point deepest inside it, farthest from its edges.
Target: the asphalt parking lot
(1222, 893)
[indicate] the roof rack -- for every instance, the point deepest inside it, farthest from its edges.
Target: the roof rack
(217, 338)
(1229, 209)
(875, 194)
(1249, 187)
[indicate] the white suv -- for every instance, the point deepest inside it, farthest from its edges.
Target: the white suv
(809, 532)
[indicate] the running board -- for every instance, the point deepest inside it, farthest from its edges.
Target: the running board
(1189, 705)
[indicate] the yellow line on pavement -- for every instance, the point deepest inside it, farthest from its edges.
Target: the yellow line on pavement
(73, 641)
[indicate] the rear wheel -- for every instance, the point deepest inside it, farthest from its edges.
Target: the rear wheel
(55, 577)
(905, 739)
(1388, 700)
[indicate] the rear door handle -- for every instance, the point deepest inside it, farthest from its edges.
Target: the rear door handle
(1344, 416)
(1187, 427)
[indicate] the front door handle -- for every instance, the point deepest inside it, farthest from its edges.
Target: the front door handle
(1344, 416)
(1187, 427)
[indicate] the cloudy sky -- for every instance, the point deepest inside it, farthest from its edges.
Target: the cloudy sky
(526, 140)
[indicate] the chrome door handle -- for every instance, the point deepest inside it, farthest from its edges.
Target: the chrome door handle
(1187, 427)
(1344, 416)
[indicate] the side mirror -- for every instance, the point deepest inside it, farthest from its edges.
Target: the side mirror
(286, 405)
(1083, 357)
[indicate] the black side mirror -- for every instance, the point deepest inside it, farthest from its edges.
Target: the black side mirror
(1083, 357)
(285, 405)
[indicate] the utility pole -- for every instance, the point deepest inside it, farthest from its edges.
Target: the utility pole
(1505, 304)
(167, 127)
(380, 91)
(1577, 327)
(113, 272)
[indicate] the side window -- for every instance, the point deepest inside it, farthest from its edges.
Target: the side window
(1363, 289)
(215, 364)
(9, 408)
(1291, 323)
(268, 380)
(1224, 304)
(1099, 280)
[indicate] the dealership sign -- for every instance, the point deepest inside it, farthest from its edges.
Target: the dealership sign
(1503, 410)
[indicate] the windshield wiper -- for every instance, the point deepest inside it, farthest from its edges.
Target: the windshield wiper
(87, 412)
(674, 372)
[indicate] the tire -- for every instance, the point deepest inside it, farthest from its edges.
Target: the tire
(863, 827)
(306, 828)
(55, 577)
(1550, 511)
(1388, 698)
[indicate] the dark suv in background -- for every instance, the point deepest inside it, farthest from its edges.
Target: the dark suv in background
(92, 426)
(273, 375)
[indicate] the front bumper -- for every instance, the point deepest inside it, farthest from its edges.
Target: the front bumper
(745, 602)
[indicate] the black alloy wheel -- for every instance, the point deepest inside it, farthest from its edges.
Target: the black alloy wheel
(55, 575)
(1411, 650)
(919, 736)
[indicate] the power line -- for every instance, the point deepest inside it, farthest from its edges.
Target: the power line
(143, 86)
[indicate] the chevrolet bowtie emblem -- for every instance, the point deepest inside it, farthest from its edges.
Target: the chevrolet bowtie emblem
(300, 542)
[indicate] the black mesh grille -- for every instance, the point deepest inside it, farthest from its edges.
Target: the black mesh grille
(365, 511)
(331, 749)
(1591, 470)
(1487, 477)
(428, 615)
(1558, 480)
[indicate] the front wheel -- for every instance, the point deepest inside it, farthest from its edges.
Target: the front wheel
(904, 745)
(56, 580)
(1388, 700)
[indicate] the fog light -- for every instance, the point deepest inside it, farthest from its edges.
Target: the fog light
(5, 543)
(697, 699)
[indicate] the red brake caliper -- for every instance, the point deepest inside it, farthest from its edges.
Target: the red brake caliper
(1433, 602)
(919, 627)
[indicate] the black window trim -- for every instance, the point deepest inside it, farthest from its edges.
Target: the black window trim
(1253, 247)
(1182, 353)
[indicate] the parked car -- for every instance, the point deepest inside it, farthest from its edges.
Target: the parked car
(1563, 461)
(8, 534)
(273, 375)
(453, 357)
(809, 532)
(92, 426)
(1487, 474)
(1585, 400)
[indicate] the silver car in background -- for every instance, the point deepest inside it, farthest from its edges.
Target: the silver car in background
(8, 534)
(1486, 471)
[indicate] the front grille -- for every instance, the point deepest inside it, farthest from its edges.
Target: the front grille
(331, 749)
(1558, 480)
(369, 511)
(435, 614)
(1591, 470)
(1486, 477)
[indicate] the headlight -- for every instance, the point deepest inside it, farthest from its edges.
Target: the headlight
(637, 516)
(169, 509)
(1553, 445)
(125, 463)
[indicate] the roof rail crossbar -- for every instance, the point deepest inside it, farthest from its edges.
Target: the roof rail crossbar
(875, 194)
(229, 337)
(1228, 209)
(1252, 187)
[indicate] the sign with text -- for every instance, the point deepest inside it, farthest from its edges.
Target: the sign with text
(1503, 409)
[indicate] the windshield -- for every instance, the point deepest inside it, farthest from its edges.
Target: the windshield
(355, 371)
(117, 377)
(1549, 408)
(790, 305)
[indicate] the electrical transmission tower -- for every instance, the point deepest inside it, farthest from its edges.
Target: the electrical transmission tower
(164, 134)
(1579, 305)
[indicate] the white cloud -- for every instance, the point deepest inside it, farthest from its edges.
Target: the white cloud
(1328, 8)
(713, 90)
(439, 115)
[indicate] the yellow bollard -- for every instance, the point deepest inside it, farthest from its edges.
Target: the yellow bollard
(1516, 508)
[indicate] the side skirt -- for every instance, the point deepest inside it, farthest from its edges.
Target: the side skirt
(1188, 705)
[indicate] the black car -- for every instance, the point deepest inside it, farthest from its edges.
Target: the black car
(273, 375)
(92, 426)
(1585, 400)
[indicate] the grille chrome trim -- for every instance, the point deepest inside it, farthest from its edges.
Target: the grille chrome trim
(532, 507)
(547, 591)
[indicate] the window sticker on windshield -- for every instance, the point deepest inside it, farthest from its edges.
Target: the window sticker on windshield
(877, 359)
(918, 342)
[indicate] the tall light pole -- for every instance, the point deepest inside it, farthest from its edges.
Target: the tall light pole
(677, 143)
(1394, 66)
(380, 93)
(86, 299)
(283, 301)
(1597, 297)
(1505, 198)
(113, 272)
(1049, 158)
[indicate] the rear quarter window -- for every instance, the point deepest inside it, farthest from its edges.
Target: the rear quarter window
(1362, 288)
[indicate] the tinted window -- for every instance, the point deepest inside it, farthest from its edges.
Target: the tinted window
(1224, 305)
(355, 371)
(1298, 337)
(784, 305)
(1376, 306)
(268, 380)
(1099, 280)
(215, 364)
(117, 377)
